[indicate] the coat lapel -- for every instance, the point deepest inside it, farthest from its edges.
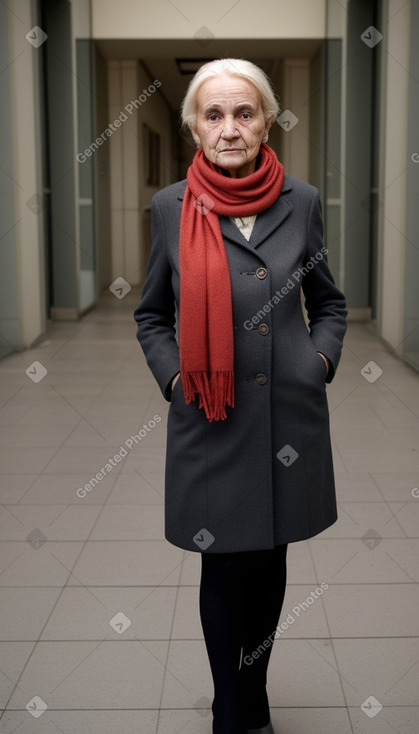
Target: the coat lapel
(266, 222)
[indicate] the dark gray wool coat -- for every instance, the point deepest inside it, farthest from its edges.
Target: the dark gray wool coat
(264, 476)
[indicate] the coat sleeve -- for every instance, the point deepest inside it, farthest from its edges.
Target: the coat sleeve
(325, 304)
(156, 312)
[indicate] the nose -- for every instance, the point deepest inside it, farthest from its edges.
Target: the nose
(229, 130)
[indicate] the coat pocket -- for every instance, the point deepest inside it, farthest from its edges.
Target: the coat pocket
(316, 365)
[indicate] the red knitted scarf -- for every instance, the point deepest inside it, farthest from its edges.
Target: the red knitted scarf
(206, 318)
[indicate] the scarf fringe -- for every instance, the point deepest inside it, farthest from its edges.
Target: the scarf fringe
(215, 390)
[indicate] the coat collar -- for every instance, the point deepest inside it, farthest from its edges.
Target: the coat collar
(266, 222)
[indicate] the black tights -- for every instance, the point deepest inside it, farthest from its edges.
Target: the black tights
(241, 598)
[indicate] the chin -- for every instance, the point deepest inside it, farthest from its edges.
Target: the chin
(232, 161)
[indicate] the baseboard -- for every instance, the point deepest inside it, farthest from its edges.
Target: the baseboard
(359, 314)
(64, 314)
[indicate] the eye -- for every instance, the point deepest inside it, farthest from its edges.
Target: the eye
(246, 115)
(213, 117)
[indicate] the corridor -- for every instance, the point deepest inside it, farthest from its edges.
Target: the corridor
(100, 631)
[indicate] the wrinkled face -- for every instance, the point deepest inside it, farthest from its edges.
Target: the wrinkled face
(230, 124)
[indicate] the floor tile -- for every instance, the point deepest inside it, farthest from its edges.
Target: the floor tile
(88, 613)
(37, 562)
(137, 489)
(355, 519)
(384, 668)
(191, 569)
(94, 675)
(15, 461)
(304, 673)
(188, 677)
(13, 487)
(13, 656)
(129, 522)
(89, 460)
(303, 615)
(396, 487)
(25, 611)
(56, 522)
(304, 720)
(356, 487)
(31, 437)
(390, 720)
(74, 489)
(91, 722)
(365, 561)
(146, 458)
(186, 622)
(186, 721)
(285, 720)
(379, 450)
(129, 563)
(300, 567)
(407, 515)
(372, 610)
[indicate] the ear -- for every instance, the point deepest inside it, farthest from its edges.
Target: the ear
(195, 136)
(268, 126)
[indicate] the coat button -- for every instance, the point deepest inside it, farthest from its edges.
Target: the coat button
(261, 273)
(261, 379)
(263, 329)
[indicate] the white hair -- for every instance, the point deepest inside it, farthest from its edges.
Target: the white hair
(235, 67)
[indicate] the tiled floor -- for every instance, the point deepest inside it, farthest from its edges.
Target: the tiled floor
(75, 571)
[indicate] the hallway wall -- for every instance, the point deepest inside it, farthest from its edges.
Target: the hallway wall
(130, 194)
(9, 310)
(393, 175)
(22, 283)
(102, 179)
(133, 19)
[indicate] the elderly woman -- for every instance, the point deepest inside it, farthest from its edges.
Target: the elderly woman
(248, 463)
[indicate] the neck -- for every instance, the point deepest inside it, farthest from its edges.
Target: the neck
(242, 172)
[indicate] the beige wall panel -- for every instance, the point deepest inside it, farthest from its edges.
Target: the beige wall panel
(184, 18)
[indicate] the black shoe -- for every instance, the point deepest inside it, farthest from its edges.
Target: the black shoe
(264, 730)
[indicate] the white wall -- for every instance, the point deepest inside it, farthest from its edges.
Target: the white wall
(317, 120)
(393, 174)
(129, 194)
(27, 172)
(102, 179)
(295, 96)
(291, 81)
(161, 19)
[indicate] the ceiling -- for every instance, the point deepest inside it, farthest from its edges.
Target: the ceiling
(159, 56)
